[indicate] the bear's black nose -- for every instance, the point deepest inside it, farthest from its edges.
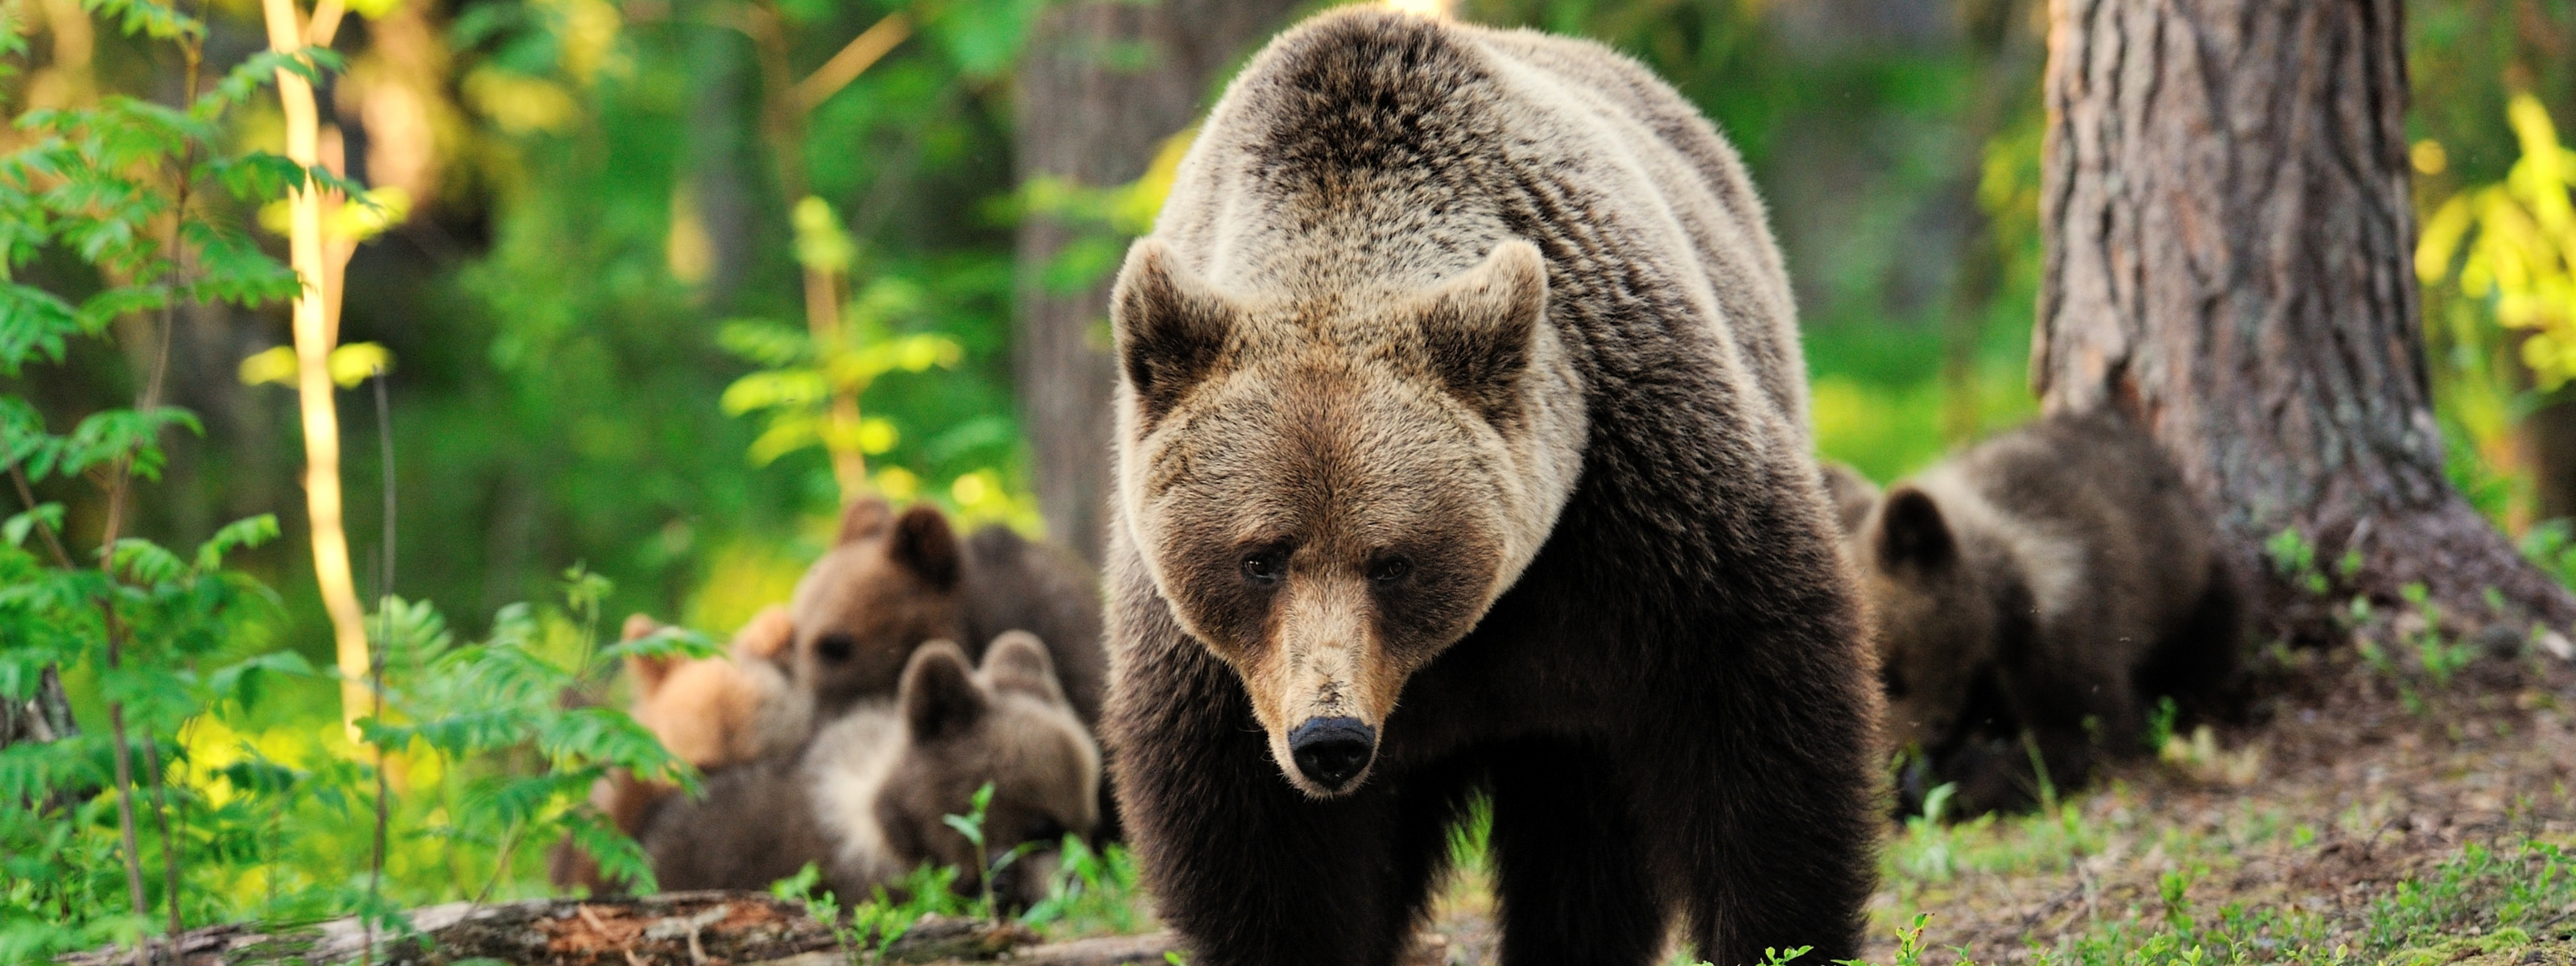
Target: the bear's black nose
(1331, 750)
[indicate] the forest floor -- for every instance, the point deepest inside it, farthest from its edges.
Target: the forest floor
(2361, 813)
(2365, 811)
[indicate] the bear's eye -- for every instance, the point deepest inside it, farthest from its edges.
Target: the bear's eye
(835, 647)
(1387, 570)
(1264, 566)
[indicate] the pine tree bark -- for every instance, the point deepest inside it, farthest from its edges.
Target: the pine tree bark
(2228, 244)
(1104, 84)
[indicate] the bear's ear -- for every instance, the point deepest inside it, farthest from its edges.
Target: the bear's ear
(925, 545)
(865, 518)
(1018, 661)
(1170, 325)
(766, 637)
(938, 692)
(637, 627)
(1911, 531)
(650, 672)
(1477, 328)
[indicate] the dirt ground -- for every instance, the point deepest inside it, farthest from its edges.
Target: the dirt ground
(2305, 822)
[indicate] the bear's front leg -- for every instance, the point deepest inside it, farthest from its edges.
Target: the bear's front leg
(1573, 878)
(1245, 867)
(1767, 784)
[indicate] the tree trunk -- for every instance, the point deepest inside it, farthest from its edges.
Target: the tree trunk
(2229, 260)
(1087, 111)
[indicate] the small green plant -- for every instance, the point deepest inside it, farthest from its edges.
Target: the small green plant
(1094, 892)
(2442, 657)
(2046, 788)
(2295, 560)
(1929, 853)
(971, 825)
(2174, 887)
(825, 908)
(2160, 723)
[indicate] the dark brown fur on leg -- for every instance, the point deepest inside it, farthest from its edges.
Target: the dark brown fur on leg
(1572, 873)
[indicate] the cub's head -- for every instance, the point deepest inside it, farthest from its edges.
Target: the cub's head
(719, 710)
(1008, 724)
(1330, 486)
(888, 584)
(1932, 615)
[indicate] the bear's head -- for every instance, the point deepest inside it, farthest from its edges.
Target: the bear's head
(1331, 486)
(1932, 615)
(1007, 724)
(889, 583)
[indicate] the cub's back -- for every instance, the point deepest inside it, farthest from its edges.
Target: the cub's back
(2099, 483)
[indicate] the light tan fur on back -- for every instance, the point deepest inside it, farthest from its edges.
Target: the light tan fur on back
(734, 707)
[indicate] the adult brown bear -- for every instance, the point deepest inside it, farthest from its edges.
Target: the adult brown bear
(1463, 447)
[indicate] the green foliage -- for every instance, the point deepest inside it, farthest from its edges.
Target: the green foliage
(476, 707)
(2160, 722)
(1094, 893)
(118, 188)
(2295, 560)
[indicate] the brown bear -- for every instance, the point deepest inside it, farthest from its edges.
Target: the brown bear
(893, 580)
(2054, 581)
(1462, 448)
(708, 712)
(867, 797)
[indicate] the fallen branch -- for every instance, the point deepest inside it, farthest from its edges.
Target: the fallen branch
(681, 927)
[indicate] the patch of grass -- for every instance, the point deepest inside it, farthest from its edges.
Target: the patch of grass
(2515, 890)
(1095, 894)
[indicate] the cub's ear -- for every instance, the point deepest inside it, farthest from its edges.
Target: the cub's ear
(1171, 326)
(1477, 328)
(638, 626)
(650, 673)
(938, 693)
(1911, 531)
(766, 637)
(1018, 661)
(865, 518)
(924, 544)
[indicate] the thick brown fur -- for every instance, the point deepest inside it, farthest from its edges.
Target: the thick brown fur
(2057, 579)
(894, 580)
(1461, 406)
(866, 798)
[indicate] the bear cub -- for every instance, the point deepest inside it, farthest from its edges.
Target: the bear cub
(866, 798)
(894, 580)
(709, 712)
(2054, 582)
